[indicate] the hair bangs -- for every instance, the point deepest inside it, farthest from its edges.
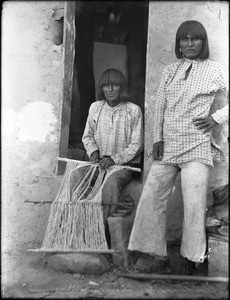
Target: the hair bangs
(194, 34)
(195, 29)
(111, 78)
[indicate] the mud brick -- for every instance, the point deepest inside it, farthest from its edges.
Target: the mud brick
(120, 229)
(218, 257)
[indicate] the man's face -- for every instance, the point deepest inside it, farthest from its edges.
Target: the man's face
(191, 47)
(112, 92)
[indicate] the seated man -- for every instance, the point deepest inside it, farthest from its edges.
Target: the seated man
(113, 135)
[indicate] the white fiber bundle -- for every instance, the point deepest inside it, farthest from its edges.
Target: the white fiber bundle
(76, 214)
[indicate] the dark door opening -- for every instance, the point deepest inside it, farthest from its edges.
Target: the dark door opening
(108, 34)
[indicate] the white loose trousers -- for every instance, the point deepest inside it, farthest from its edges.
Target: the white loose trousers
(148, 232)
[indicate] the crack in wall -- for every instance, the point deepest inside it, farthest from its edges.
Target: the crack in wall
(219, 14)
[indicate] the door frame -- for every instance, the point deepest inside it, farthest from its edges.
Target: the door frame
(69, 35)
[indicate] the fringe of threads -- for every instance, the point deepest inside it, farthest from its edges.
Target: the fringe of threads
(76, 219)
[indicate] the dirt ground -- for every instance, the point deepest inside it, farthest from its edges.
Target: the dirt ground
(26, 275)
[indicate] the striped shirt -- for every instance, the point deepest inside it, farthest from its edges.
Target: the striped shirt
(114, 131)
(179, 101)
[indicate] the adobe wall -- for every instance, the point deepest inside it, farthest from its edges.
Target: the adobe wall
(32, 52)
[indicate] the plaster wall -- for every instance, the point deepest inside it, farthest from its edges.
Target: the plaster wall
(31, 113)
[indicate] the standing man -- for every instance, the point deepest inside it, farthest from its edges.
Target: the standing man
(183, 143)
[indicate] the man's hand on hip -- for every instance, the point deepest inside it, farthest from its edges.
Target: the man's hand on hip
(205, 123)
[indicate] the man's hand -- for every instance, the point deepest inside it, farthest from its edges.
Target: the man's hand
(157, 151)
(106, 162)
(94, 157)
(205, 123)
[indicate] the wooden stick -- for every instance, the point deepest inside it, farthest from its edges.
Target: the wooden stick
(89, 162)
(73, 251)
(144, 276)
(75, 160)
(36, 202)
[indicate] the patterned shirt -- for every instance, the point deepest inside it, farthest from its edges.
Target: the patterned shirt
(179, 101)
(114, 131)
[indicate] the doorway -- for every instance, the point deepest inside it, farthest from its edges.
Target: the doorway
(108, 34)
(99, 35)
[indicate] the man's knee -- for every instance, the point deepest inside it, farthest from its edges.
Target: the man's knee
(111, 183)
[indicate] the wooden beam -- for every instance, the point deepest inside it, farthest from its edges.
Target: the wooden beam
(69, 35)
(144, 276)
(74, 251)
(37, 202)
(88, 162)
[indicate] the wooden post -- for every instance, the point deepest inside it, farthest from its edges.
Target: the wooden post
(68, 67)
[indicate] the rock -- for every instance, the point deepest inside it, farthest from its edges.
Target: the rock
(218, 258)
(120, 229)
(93, 283)
(79, 263)
(77, 276)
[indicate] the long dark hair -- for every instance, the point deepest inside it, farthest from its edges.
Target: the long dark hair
(197, 30)
(112, 76)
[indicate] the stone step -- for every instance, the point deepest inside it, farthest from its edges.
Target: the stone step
(218, 260)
